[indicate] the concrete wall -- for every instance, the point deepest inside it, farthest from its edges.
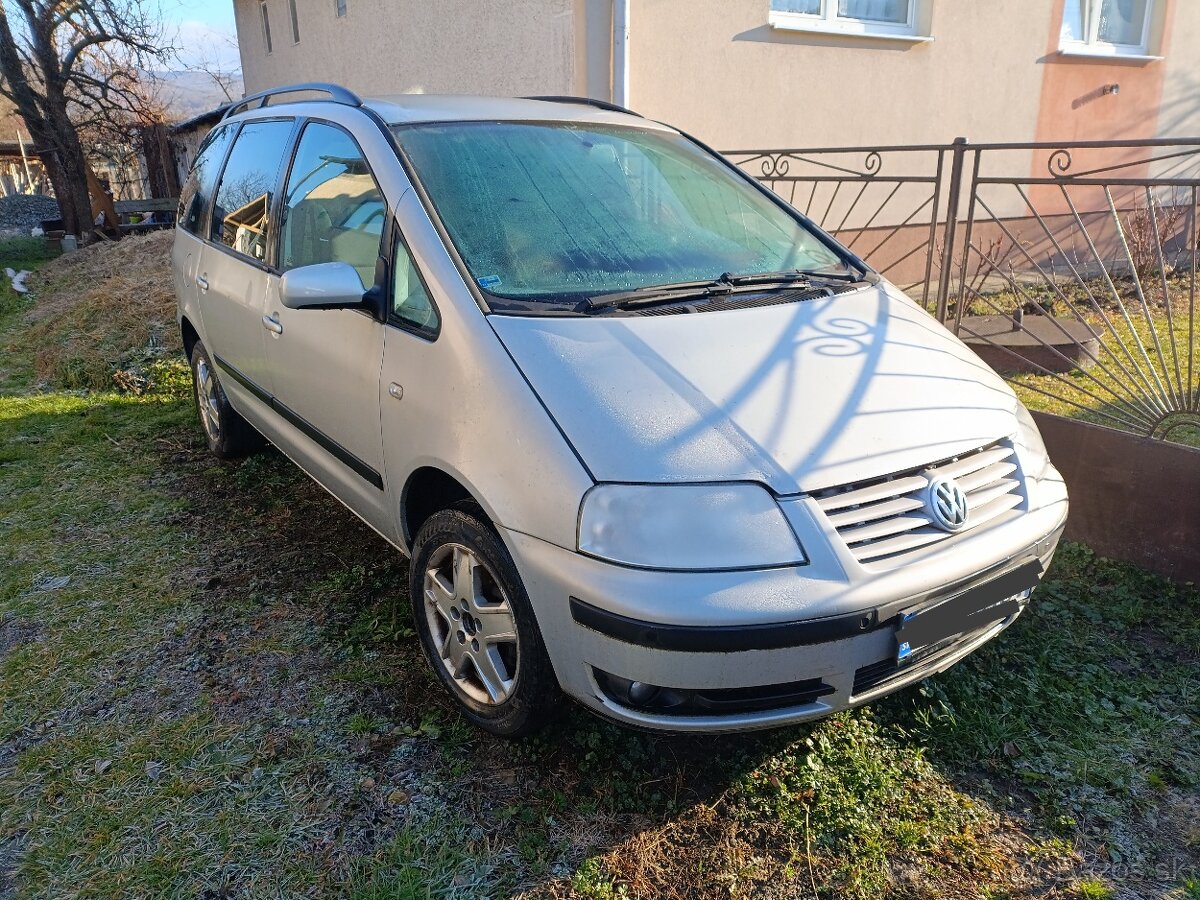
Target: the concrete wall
(506, 47)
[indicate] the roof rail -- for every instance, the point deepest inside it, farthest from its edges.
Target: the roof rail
(337, 94)
(587, 101)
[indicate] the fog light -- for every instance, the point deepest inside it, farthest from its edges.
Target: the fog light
(642, 693)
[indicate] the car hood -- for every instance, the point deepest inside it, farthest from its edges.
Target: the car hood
(799, 396)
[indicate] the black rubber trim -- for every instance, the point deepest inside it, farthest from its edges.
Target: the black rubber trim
(779, 635)
(326, 443)
(336, 450)
(261, 393)
(722, 638)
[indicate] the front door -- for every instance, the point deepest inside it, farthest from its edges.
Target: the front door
(325, 363)
(233, 274)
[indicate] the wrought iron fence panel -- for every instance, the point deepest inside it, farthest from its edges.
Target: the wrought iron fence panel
(882, 203)
(1070, 268)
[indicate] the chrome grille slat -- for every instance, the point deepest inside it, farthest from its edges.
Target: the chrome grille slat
(995, 508)
(984, 496)
(863, 514)
(973, 463)
(882, 491)
(884, 528)
(984, 477)
(883, 519)
(900, 544)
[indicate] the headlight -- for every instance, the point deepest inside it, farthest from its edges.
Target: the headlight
(687, 527)
(1031, 451)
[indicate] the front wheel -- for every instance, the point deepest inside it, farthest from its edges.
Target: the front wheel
(228, 435)
(477, 626)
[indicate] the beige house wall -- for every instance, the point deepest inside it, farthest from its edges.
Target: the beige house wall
(506, 47)
(717, 69)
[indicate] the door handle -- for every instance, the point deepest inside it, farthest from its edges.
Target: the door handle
(272, 324)
(202, 282)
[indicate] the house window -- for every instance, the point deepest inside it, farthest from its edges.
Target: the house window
(879, 18)
(1106, 27)
(266, 23)
(340, 6)
(295, 21)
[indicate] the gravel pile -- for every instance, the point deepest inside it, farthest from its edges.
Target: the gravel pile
(21, 212)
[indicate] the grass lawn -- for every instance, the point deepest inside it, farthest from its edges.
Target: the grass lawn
(209, 688)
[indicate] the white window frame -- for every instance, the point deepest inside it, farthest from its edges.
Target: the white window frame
(339, 9)
(827, 21)
(1091, 45)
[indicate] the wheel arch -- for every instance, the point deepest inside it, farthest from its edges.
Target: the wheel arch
(427, 491)
(189, 335)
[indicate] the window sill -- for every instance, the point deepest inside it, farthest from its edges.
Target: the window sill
(788, 23)
(1085, 52)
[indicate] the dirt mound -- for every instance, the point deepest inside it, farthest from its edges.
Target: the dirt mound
(104, 316)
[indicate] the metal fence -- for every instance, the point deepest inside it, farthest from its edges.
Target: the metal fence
(1071, 268)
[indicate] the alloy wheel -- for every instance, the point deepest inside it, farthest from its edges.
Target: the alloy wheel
(472, 624)
(206, 395)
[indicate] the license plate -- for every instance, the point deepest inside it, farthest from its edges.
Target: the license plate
(967, 612)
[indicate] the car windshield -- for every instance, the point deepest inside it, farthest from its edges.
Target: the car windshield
(559, 212)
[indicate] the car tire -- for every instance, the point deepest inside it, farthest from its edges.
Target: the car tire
(465, 622)
(227, 434)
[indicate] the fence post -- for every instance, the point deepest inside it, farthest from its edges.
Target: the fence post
(959, 151)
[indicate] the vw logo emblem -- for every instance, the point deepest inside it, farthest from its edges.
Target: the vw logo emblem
(947, 504)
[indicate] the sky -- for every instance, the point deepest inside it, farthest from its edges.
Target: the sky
(204, 31)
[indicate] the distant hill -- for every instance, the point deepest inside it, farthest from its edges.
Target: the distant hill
(188, 94)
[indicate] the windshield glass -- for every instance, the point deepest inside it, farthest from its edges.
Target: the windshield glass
(549, 211)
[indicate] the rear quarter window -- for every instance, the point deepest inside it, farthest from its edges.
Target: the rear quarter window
(198, 189)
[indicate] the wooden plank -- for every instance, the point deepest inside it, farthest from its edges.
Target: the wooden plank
(158, 204)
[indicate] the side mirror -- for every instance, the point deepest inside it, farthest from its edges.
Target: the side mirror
(333, 285)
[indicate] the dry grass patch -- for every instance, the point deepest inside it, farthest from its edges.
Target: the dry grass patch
(104, 315)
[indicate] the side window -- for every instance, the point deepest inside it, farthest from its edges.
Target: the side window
(410, 298)
(248, 184)
(334, 211)
(198, 188)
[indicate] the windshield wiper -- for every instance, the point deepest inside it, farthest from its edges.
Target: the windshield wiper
(656, 293)
(848, 277)
(789, 277)
(727, 283)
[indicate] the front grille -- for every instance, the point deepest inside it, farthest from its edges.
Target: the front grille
(883, 519)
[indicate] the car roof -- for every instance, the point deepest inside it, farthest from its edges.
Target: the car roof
(403, 109)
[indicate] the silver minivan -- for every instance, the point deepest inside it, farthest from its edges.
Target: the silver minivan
(650, 438)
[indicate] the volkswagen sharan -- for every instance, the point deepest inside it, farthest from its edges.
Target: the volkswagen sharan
(650, 438)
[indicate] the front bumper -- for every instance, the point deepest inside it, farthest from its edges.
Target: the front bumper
(830, 623)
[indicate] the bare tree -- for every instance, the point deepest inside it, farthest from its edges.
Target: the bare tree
(69, 65)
